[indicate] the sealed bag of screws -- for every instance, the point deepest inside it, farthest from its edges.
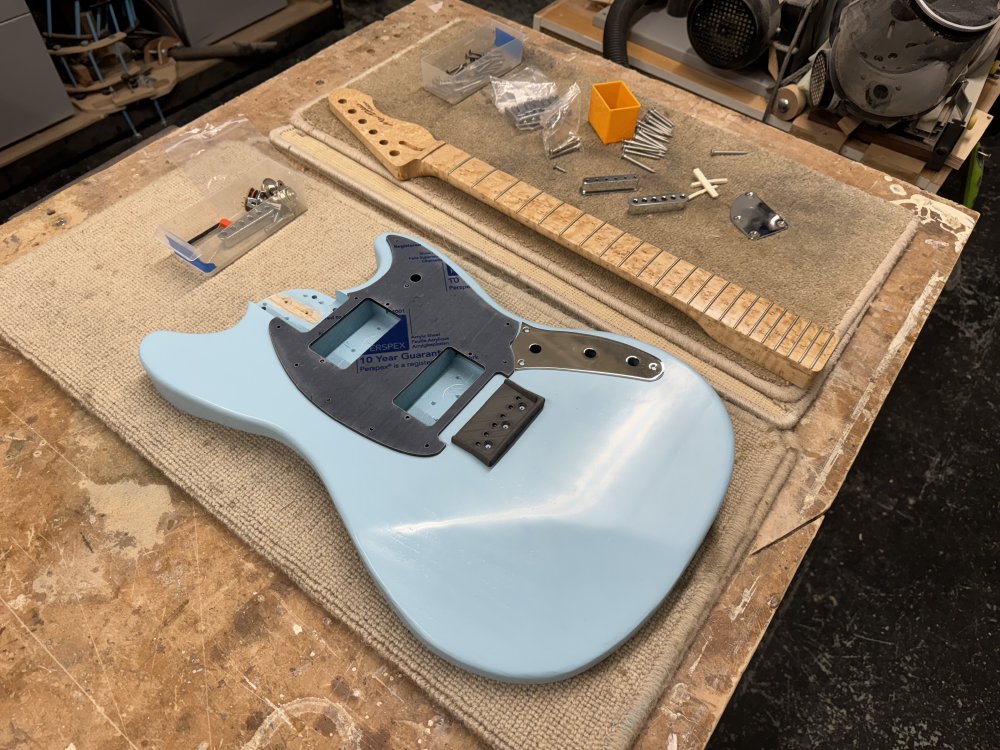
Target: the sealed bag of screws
(254, 204)
(561, 124)
(524, 96)
(465, 66)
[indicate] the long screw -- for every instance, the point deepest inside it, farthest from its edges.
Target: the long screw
(725, 152)
(639, 164)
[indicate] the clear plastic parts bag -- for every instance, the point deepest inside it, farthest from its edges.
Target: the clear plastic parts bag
(523, 97)
(238, 197)
(561, 124)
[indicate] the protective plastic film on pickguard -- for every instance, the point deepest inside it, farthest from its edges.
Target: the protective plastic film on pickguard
(402, 356)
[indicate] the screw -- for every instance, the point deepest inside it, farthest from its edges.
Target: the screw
(653, 366)
(520, 363)
(639, 164)
(564, 150)
(784, 105)
(558, 168)
(755, 235)
(726, 152)
(641, 154)
(656, 115)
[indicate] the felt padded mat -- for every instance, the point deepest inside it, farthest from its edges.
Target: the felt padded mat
(840, 246)
(264, 493)
(542, 280)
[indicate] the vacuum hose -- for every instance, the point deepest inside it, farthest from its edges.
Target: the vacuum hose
(616, 28)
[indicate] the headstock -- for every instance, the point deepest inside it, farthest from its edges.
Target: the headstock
(400, 146)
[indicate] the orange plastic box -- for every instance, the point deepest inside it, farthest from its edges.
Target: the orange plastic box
(614, 111)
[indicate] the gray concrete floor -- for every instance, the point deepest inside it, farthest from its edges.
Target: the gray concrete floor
(888, 637)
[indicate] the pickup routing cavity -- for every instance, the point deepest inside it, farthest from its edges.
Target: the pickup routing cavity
(438, 386)
(355, 334)
(616, 183)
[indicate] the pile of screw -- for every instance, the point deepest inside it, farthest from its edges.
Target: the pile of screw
(470, 57)
(527, 115)
(269, 188)
(471, 74)
(651, 139)
(566, 147)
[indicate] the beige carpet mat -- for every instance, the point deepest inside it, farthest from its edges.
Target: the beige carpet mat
(827, 266)
(80, 315)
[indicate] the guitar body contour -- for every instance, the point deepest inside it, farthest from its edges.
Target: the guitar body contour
(526, 554)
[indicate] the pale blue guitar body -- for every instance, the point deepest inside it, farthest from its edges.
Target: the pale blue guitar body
(530, 569)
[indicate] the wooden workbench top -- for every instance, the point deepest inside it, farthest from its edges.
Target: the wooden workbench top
(106, 613)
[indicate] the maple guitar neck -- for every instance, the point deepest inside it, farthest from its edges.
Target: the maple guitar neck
(761, 330)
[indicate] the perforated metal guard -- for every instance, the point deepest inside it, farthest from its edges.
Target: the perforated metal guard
(724, 32)
(818, 81)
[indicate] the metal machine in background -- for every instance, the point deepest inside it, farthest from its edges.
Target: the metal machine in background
(31, 95)
(918, 64)
(113, 53)
(911, 65)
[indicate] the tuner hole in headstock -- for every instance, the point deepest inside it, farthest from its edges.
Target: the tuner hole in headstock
(632, 360)
(362, 121)
(415, 277)
(342, 101)
(383, 142)
(590, 352)
(394, 152)
(352, 111)
(373, 131)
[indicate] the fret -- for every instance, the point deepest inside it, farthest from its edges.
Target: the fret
(769, 334)
(692, 285)
(820, 346)
(677, 276)
(519, 196)
(636, 263)
(582, 229)
(560, 219)
(494, 185)
(709, 293)
(620, 249)
(777, 334)
(791, 338)
(467, 174)
(739, 309)
(602, 239)
(804, 342)
(658, 267)
(446, 158)
(769, 315)
(539, 208)
(725, 301)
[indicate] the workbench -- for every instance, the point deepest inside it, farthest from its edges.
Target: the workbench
(131, 618)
